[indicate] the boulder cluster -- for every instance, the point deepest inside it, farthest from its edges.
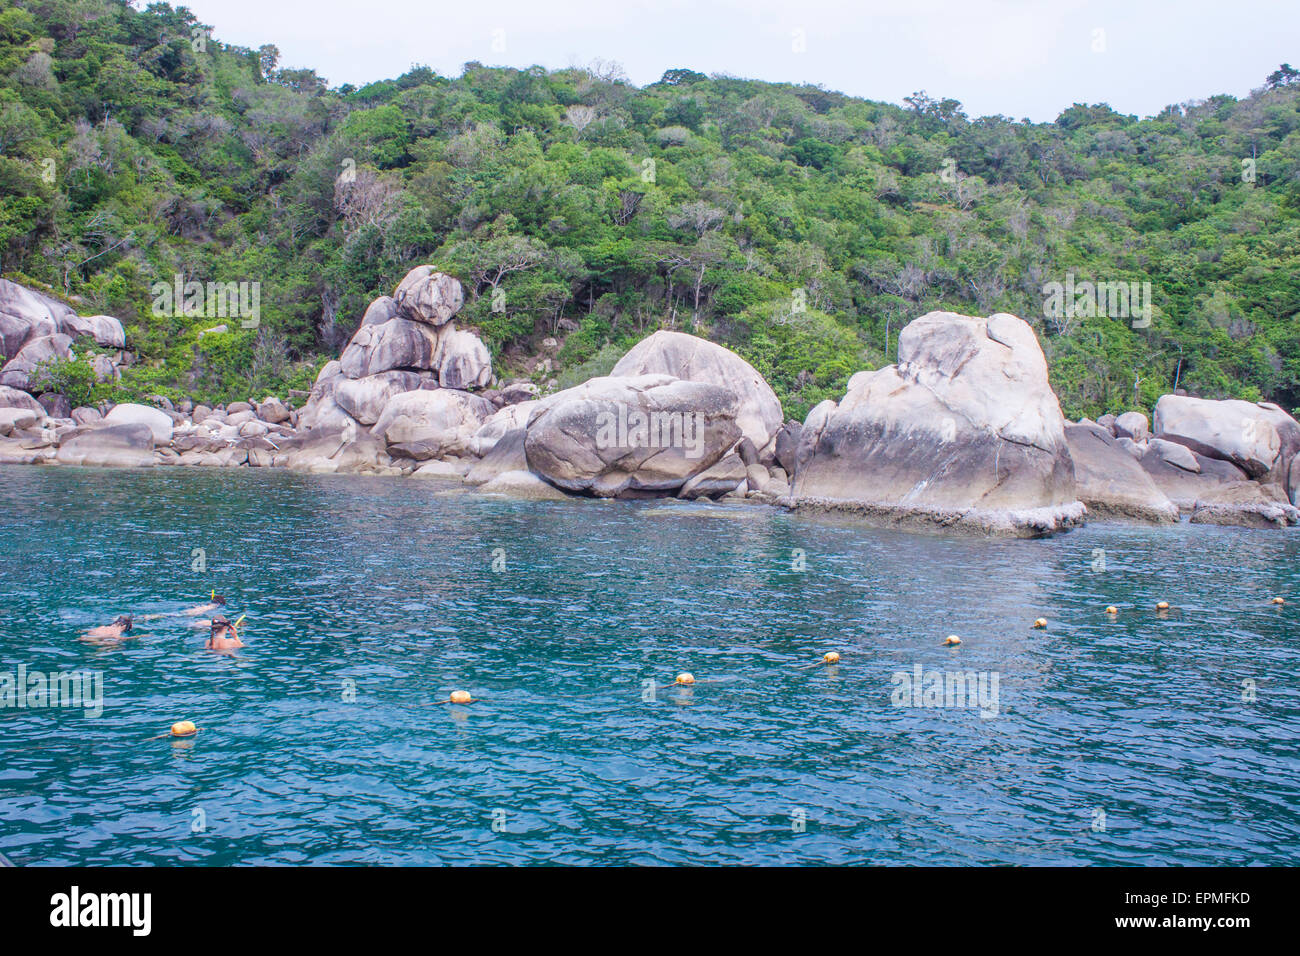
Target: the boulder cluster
(964, 432)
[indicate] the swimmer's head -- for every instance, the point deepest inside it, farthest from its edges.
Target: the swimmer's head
(218, 599)
(124, 621)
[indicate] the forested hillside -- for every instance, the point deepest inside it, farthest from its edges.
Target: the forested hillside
(799, 226)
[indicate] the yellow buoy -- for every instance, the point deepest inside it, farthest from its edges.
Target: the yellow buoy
(461, 697)
(1278, 600)
(1040, 623)
(951, 640)
(831, 657)
(685, 678)
(1162, 606)
(1112, 609)
(184, 728)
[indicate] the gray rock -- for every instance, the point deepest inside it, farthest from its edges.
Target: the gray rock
(1132, 425)
(18, 371)
(431, 424)
(127, 445)
(694, 359)
(1259, 438)
(364, 398)
(395, 344)
(463, 359)
(1110, 481)
(56, 405)
(272, 411)
(17, 398)
(617, 435)
(428, 296)
(787, 445)
(719, 479)
(522, 484)
(964, 433)
(506, 454)
(158, 421)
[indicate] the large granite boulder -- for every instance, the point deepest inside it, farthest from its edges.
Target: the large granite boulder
(1131, 425)
(963, 433)
(159, 422)
(17, 398)
(694, 359)
(463, 359)
(104, 330)
(502, 422)
(1258, 437)
(19, 371)
(126, 445)
(396, 344)
(722, 477)
(428, 296)
(26, 314)
(1110, 481)
(506, 454)
(431, 423)
(381, 310)
(35, 328)
(364, 398)
(630, 436)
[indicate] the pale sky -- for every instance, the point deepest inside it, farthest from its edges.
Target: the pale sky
(1019, 58)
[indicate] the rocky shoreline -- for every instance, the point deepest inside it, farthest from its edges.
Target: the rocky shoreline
(963, 434)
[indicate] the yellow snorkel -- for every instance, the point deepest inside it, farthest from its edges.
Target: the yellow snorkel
(235, 627)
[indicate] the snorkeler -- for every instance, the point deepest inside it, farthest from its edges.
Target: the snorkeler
(223, 635)
(115, 631)
(217, 602)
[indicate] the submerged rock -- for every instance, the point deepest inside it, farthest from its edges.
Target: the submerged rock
(963, 433)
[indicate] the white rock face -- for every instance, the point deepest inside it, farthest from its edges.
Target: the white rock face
(431, 424)
(625, 435)
(1259, 438)
(694, 359)
(965, 432)
(428, 296)
(159, 422)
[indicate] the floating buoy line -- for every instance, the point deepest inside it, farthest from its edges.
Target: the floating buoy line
(185, 729)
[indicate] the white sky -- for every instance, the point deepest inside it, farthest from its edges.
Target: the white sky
(1015, 57)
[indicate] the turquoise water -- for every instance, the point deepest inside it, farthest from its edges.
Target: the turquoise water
(389, 584)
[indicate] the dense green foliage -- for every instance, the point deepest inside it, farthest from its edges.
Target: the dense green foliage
(801, 227)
